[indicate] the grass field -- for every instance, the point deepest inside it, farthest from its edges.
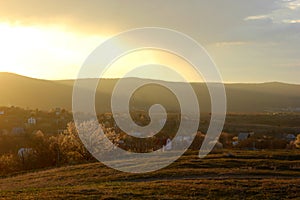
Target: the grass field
(245, 175)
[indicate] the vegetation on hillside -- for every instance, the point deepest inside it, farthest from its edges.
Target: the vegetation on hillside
(246, 175)
(44, 94)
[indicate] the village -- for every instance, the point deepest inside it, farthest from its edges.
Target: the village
(33, 140)
(15, 121)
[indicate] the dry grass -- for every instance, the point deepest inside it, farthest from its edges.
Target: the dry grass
(248, 175)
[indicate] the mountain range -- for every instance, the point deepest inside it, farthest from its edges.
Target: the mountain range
(33, 93)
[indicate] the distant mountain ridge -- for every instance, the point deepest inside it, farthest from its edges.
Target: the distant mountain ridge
(33, 93)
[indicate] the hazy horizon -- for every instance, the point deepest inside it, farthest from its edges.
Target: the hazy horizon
(114, 78)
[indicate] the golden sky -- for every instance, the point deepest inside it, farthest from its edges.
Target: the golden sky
(250, 41)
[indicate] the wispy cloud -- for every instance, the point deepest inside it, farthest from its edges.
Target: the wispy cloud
(291, 21)
(244, 43)
(288, 12)
(257, 17)
(293, 5)
(234, 43)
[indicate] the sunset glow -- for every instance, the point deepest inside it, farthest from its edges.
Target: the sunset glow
(258, 42)
(43, 52)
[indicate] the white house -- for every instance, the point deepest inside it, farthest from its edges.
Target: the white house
(244, 136)
(290, 137)
(24, 153)
(31, 121)
(168, 146)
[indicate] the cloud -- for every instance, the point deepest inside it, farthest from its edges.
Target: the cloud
(288, 12)
(292, 5)
(257, 17)
(234, 43)
(242, 33)
(291, 21)
(206, 21)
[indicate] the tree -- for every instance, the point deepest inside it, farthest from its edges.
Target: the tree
(297, 142)
(70, 146)
(43, 155)
(100, 140)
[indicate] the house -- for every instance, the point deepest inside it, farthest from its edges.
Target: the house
(290, 137)
(17, 130)
(24, 154)
(57, 111)
(235, 141)
(168, 146)
(241, 137)
(31, 121)
(244, 136)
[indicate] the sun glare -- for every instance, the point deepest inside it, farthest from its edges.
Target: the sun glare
(44, 52)
(55, 53)
(147, 57)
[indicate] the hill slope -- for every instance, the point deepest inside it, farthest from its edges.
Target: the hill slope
(215, 177)
(44, 94)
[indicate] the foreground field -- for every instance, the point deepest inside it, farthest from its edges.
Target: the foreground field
(242, 175)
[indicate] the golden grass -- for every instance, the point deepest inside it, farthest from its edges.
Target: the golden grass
(249, 175)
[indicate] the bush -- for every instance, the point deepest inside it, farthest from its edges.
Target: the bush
(9, 163)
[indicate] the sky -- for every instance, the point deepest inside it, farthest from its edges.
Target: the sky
(250, 41)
